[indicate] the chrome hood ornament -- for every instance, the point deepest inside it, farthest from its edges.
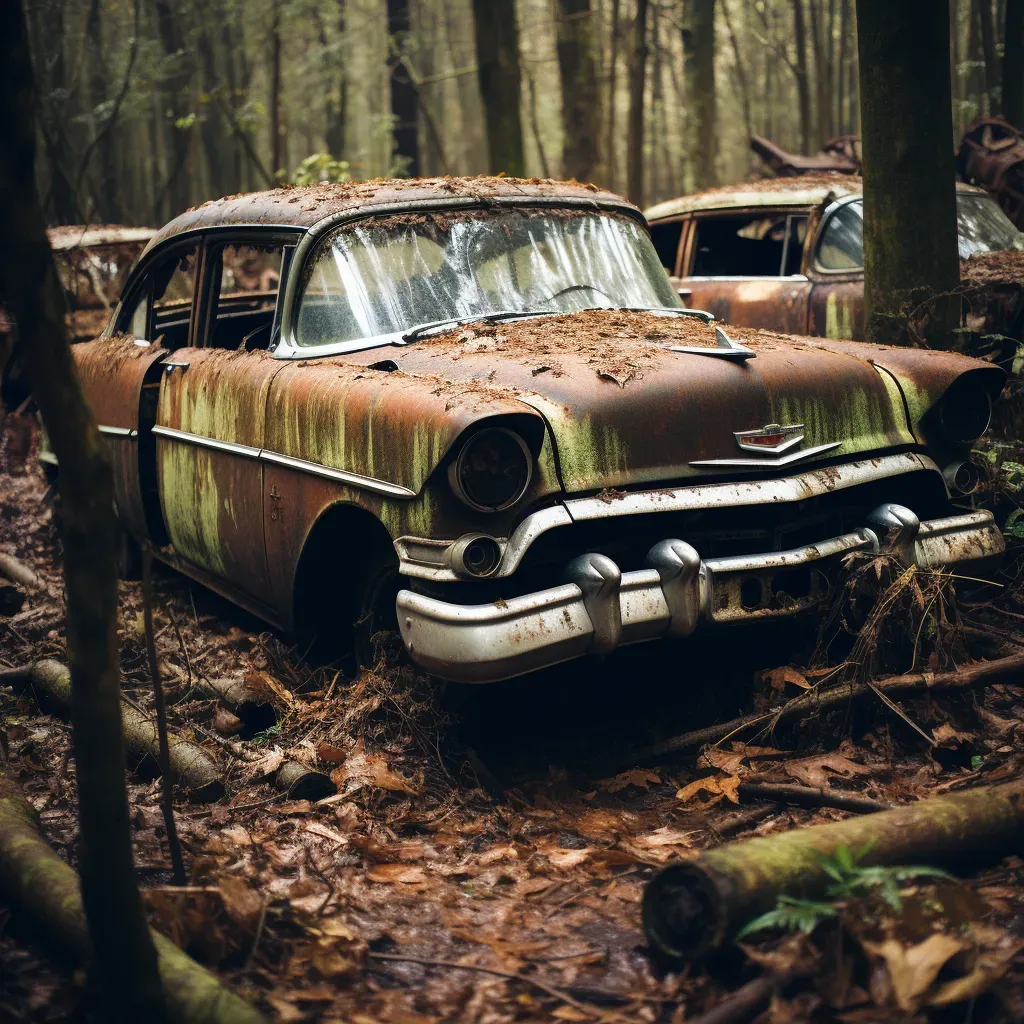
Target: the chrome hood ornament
(771, 439)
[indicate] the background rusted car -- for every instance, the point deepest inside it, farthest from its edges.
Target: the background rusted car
(786, 254)
(475, 410)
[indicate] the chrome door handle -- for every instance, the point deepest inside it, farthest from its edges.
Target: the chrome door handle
(175, 366)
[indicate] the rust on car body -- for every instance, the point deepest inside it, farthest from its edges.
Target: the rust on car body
(516, 486)
(991, 155)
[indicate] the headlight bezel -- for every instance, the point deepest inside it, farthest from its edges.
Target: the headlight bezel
(457, 469)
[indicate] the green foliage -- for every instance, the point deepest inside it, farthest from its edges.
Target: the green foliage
(1013, 526)
(849, 879)
(265, 736)
(977, 761)
(320, 167)
(184, 123)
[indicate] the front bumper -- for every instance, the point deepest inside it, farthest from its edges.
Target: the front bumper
(600, 608)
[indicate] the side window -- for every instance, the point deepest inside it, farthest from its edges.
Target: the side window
(842, 239)
(138, 324)
(665, 237)
(174, 285)
(246, 283)
(748, 245)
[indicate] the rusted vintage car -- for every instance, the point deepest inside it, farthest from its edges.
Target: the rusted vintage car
(786, 254)
(475, 409)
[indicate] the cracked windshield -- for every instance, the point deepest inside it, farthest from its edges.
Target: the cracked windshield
(379, 278)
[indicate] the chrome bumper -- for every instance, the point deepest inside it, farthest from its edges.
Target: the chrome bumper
(602, 608)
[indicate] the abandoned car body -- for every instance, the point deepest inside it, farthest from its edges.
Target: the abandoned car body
(786, 254)
(477, 405)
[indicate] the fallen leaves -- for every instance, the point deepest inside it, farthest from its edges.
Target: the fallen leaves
(641, 778)
(815, 771)
(365, 769)
(715, 787)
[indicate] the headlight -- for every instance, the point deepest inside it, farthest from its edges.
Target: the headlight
(493, 470)
(964, 410)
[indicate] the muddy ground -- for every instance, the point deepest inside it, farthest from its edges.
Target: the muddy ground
(480, 860)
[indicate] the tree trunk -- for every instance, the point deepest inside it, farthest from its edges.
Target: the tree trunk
(692, 908)
(43, 892)
(277, 155)
(105, 191)
(613, 81)
(335, 97)
(803, 88)
(404, 106)
(125, 961)
(1013, 64)
(211, 125)
(497, 49)
(910, 232)
(699, 75)
(741, 71)
(176, 107)
(988, 53)
(581, 102)
(637, 82)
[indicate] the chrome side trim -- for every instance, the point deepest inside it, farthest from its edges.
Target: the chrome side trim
(528, 531)
(342, 476)
(750, 492)
(117, 431)
(782, 460)
(263, 455)
(207, 442)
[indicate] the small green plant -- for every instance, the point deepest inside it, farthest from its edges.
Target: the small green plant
(320, 167)
(264, 736)
(976, 762)
(1013, 528)
(849, 878)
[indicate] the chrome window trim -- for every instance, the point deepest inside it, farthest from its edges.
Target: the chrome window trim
(711, 278)
(276, 458)
(126, 432)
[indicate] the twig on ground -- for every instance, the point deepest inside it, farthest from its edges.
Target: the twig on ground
(166, 787)
(742, 1004)
(808, 796)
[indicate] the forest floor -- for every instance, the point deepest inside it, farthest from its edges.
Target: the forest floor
(478, 862)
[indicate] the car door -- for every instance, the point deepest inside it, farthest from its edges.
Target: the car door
(120, 376)
(745, 267)
(836, 270)
(211, 417)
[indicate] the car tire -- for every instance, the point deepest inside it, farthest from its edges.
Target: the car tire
(375, 626)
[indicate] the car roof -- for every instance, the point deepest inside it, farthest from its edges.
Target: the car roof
(799, 190)
(81, 236)
(302, 207)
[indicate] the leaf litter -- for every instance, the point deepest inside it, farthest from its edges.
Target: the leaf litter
(395, 898)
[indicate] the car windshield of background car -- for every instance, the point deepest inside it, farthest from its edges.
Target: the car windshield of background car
(376, 278)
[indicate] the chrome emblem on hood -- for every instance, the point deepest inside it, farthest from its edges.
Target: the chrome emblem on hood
(773, 438)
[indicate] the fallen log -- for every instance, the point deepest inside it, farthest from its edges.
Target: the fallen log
(43, 892)
(242, 698)
(808, 796)
(191, 765)
(302, 783)
(17, 572)
(695, 907)
(982, 673)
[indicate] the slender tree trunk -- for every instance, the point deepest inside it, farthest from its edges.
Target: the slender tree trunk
(741, 70)
(803, 87)
(845, 30)
(125, 967)
(335, 104)
(637, 82)
(404, 104)
(211, 125)
(106, 192)
(497, 48)
(613, 75)
(581, 101)
(1013, 64)
(988, 52)
(176, 107)
(277, 155)
(699, 74)
(910, 234)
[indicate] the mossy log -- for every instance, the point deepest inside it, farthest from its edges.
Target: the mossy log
(43, 893)
(692, 908)
(16, 572)
(192, 767)
(248, 702)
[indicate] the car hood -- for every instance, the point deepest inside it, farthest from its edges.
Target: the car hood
(624, 410)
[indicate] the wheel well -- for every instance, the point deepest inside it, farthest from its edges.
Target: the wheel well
(344, 547)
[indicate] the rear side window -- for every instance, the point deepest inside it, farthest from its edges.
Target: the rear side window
(161, 308)
(247, 278)
(842, 240)
(749, 245)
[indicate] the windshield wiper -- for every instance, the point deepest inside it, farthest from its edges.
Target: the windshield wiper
(499, 317)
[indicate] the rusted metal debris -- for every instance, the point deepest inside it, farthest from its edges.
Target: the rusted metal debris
(840, 155)
(991, 154)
